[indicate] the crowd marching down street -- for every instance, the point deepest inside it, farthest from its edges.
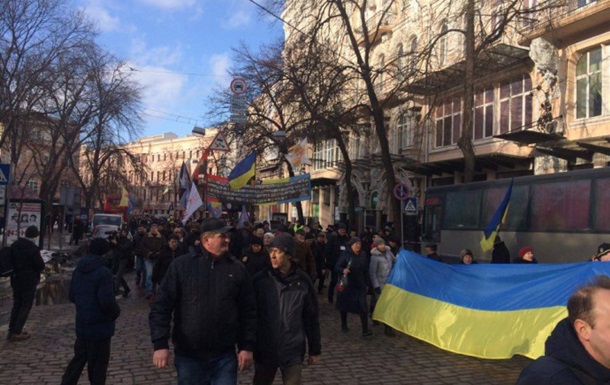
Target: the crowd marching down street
(225, 298)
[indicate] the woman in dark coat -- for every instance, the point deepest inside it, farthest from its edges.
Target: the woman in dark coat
(351, 298)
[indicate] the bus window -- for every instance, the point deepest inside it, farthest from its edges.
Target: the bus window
(516, 218)
(601, 208)
(561, 206)
(432, 223)
(462, 209)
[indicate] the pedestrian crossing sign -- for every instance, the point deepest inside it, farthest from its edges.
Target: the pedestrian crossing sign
(410, 206)
(5, 170)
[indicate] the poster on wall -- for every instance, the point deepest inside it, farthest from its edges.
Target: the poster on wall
(20, 217)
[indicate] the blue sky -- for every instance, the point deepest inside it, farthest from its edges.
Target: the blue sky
(167, 41)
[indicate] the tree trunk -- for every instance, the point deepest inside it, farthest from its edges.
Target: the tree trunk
(351, 210)
(465, 141)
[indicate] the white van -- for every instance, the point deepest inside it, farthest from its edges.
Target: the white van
(107, 219)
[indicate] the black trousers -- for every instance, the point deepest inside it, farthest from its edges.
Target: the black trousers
(94, 353)
(331, 286)
(24, 291)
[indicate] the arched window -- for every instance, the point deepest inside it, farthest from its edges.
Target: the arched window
(589, 84)
(400, 62)
(443, 46)
(413, 55)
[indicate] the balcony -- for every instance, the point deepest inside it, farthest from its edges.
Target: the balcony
(575, 21)
(377, 26)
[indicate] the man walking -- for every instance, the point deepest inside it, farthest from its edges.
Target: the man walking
(27, 266)
(337, 245)
(210, 295)
(151, 247)
(288, 316)
(92, 291)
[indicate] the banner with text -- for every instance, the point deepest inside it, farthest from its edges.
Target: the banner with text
(294, 189)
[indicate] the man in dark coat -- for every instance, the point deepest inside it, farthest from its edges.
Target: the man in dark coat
(336, 245)
(151, 247)
(92, 291)
(287, 317)
(27, 266)
(500, 253)
(209, 294)
(578, 350)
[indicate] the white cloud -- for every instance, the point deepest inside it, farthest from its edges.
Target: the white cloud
(238, 19)
(162, 88)
(161, 56)
(220, 65)
(170, 4)
(102, 17)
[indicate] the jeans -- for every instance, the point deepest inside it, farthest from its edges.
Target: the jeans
(264, 375)
(140, 269)
(95, 354)
(149, 270)
(221, 370)
(119, 279)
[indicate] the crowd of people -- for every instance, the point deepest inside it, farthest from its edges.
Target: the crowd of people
(228, 298)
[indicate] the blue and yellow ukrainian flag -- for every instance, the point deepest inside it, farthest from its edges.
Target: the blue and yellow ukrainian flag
(484, 310)
(493, 227)
(243, 172)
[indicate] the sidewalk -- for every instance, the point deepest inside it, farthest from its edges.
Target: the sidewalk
(347, 358)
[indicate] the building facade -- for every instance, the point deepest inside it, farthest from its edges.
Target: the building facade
(540, 93)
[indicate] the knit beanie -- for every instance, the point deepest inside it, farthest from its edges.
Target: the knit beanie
(353, 240)
(32, 232)
(283, 242)
(378, 241)
(525, 250)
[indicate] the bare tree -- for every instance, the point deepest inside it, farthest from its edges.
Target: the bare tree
(34, 35)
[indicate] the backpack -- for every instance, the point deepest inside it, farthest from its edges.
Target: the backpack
(6, 262)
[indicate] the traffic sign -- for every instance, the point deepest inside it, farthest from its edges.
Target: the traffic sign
(401, 191)
(410, 206)
(238, 86)
(5, 171)
(219, 143)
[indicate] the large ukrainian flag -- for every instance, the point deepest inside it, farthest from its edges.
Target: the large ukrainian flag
(483, 310)
(243, 172)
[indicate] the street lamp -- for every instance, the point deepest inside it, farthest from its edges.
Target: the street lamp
(198, 131)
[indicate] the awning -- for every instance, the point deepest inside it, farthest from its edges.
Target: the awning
(485, 161)
(529, 137)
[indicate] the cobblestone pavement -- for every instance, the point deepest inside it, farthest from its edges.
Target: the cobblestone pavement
(347, 358)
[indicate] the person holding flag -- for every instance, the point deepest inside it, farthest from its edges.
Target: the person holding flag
(497, 220)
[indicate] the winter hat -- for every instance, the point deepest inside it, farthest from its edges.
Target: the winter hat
(270, 235)
(256, 241)
(525, 250)
(602, 249)
(341, 226)
(99, 246)
(283, 242)
(32, 232)
(309, 235)
(466, 252)
(378, 241)
(353, 240)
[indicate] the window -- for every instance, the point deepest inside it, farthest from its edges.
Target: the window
(589, 84)
(483, 118)
(515, 104)
(406, 127)
(413, 61)
(560, 206)
(400, 63)
(448, 122)
(601, 208)
(32, 185)
(462, 209)
(582, 3)
(326, 154)
(443, 46)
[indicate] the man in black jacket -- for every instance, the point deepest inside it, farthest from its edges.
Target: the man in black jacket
(92, 291)
(212, 301)
(578, 350)
(288, 315)
(27, 266)
(337, 244)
